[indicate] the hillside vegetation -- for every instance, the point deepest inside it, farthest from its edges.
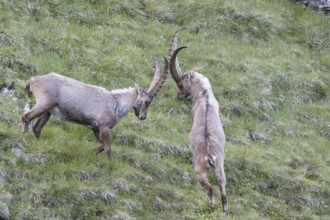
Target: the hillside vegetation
(269, 66)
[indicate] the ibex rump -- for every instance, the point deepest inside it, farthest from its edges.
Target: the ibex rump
(207, 137)
(88, 105)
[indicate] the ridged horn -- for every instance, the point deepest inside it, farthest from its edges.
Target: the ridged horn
(159, 78)
(174, 66)
(174, 40)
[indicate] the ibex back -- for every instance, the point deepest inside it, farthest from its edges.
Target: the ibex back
(207, 137)
(88, 105)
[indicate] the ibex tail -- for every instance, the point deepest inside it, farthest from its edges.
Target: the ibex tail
(210, 160)
(27, 89)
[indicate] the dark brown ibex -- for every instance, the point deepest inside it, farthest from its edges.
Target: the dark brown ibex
(88, 105)
(207, 137)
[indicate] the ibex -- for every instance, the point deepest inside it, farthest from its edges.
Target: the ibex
(88, 105)
(207, 137)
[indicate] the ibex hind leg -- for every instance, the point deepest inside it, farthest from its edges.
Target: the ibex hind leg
(36, 111)
(42, 120)
(221, 178)
(202, 179)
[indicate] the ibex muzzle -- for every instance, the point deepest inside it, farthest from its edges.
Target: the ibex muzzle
(88, 105)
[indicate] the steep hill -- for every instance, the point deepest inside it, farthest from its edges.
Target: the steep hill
(269, 66)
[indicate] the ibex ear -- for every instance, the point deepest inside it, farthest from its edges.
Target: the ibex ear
(190, 75)
(139, 89)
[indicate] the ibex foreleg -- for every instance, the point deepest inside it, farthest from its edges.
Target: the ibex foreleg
(104, 135)
(97, 135)
(42, 120)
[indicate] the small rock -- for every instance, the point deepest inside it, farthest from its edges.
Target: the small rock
(186, 176)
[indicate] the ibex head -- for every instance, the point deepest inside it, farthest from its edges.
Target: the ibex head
(182, 80)
(145, 97)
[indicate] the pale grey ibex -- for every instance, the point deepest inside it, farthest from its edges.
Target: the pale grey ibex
(207, 137)
(88, 105)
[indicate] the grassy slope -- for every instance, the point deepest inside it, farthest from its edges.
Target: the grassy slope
(268, 63)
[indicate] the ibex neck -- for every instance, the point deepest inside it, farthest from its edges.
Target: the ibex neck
(125, 99)
(200, 87)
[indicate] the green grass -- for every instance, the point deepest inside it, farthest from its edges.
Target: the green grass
(267, 61)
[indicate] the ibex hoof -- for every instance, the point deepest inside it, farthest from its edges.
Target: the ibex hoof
(99, 149)
(25, 128)
(108, 155)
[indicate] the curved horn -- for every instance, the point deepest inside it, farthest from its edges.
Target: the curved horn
(159, 78)
(174, 66)
(174, 41)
